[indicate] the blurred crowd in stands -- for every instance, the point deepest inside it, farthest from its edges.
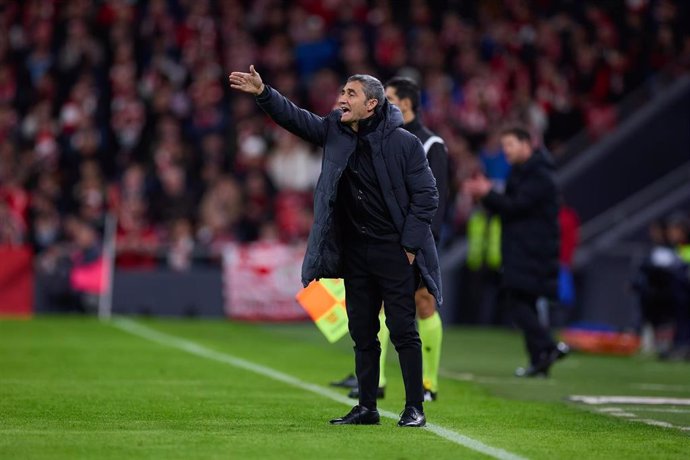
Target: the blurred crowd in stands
(123, 106)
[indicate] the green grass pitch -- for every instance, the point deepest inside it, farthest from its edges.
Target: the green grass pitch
(74, 387)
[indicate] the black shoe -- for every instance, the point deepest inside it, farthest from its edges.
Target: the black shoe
(430, 395)
(541, 368)
(412, 417)
(561, 351)
(531, 371)
(678, 353)
(359, 415)
(348, 382)
(380, 393)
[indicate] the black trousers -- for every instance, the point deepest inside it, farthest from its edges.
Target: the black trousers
(522, 308)
(375, 272)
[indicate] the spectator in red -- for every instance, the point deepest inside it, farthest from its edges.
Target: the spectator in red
(569, 224)
(12, 232)
(137, 241)
(174, 199)
(220, 212)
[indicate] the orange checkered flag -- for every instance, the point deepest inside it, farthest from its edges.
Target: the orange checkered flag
(324, 301)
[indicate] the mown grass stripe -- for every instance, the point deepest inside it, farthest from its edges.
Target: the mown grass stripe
(188, 346)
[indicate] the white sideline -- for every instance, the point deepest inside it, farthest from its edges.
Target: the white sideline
(661, 411)
(660, 387)
(618, 412)
(161, 338)
(596, 400)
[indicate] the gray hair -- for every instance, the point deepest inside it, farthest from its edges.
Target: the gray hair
(373, 88)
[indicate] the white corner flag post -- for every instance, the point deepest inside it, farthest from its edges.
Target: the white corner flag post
(105, 301)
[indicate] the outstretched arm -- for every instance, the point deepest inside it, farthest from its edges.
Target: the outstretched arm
(300, 122)
(523, 200)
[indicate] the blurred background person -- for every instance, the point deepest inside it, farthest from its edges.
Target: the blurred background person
(658, 285)
(678, 237)
(529, 243)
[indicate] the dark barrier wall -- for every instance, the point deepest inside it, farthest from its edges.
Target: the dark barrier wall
(605, 292)
(198, 292)
(650, 145)
(164, 293)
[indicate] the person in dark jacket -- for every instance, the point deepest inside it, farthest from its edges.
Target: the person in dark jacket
(529, 242)
(404, 93)
(373, 206)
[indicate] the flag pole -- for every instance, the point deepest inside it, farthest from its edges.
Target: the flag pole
(105, 301)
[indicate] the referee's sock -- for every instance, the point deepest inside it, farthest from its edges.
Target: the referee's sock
(431, 334)
(384, 336)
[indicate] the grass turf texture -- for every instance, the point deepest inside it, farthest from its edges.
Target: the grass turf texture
(72, 387)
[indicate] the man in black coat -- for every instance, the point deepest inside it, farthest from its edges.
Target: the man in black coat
(404, 93)
(529, 242)
(373, 206)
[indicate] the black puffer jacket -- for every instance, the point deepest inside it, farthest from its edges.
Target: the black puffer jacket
(530, 234)
(437, 156)
(402, 170)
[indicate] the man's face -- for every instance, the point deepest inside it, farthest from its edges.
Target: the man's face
(676, 234)
(516, 151)
(392, 96)
(354, 103)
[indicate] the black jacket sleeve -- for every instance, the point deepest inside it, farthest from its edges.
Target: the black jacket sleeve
(529, 194)
(301, 122)
(421, 188)
(438, 162)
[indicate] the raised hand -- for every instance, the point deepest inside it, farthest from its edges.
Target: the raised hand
(248, 82)
(477, 187)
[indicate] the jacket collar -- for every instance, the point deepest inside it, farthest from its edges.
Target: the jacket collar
(370, 124)
(393, 118)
